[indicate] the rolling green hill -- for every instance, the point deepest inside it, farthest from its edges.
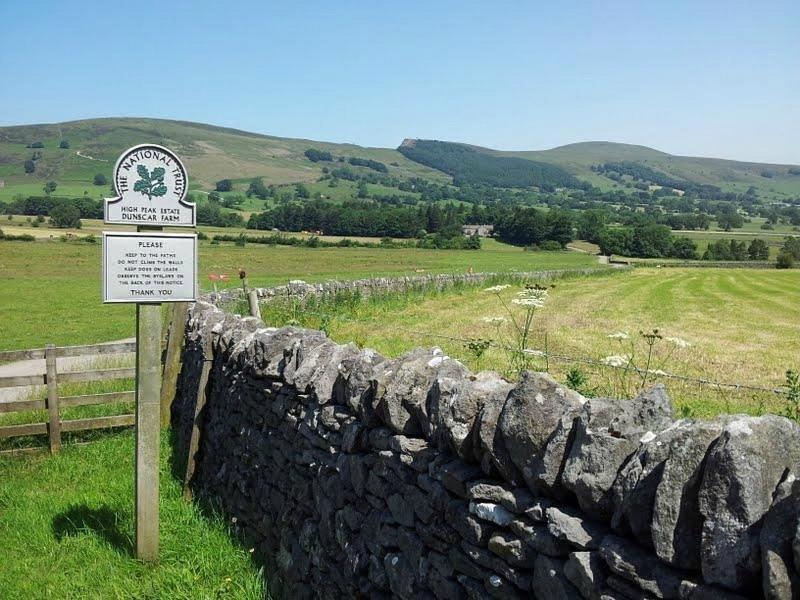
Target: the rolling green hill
(212, 153)
(773, 181)
(728, 175)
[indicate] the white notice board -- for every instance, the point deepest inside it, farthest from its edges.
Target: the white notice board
(149, 267)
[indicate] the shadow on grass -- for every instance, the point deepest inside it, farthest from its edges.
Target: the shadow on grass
(212, 510)
(103, 523)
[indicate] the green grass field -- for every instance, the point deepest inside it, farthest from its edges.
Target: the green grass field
(704, 238)
(66, 530)
(51, 290)
(743, 327)
(66, 521)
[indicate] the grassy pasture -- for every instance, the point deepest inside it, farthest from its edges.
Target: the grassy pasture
(51, 290)
(743, 326)
(66, 530)
(704, 238)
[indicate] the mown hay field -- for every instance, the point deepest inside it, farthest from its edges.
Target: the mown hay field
(742, 326)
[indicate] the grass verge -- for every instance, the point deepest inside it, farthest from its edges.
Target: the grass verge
(66, 531)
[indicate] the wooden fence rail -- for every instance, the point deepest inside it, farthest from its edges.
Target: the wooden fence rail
(53, 403)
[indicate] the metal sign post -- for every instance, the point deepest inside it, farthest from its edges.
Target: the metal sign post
(147, 268)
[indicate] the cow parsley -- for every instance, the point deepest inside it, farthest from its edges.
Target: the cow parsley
(616, 360)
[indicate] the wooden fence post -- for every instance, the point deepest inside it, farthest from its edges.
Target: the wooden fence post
(54, 420)
(252, 299)
(194, 440)
(148, 387)
(172, 360)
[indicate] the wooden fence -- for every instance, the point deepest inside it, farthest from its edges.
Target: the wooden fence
(53, 403)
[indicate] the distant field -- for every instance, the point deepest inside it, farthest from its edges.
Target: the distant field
(51, 290)
(73, 190)
(753, 225)
(704, 238)
(743, 327)
(19, 225)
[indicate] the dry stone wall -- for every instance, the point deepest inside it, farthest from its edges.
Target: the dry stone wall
(364, 476)
(380, 285)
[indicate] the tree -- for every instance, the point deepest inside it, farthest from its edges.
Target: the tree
(257, 189)
(362, 190)
(719, 250)
(50, 187)
(65, 215)
(730, 220)
(434, 218)
(758, 250)
(653, 241)
(369, 163)
(100, 179)
(684, 248)
(791, 245)
(30, 166)
(590, 225)
(560, 227)
(224, 185)
(36, 145)
(785, 260)
(64, 145)
(315, 155)
(232, 201)
(738, 250)
(523, 227)
(616, 240)
(302, 191)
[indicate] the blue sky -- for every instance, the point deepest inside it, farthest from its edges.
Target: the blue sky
(698, 78)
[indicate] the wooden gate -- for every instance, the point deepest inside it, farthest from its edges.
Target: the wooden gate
(53, 403)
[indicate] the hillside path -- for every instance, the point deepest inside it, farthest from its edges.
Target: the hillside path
(78, 152)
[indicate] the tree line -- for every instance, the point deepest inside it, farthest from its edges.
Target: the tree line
(361, 218)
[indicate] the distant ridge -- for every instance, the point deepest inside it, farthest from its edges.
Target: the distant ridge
(773, 181)
(215, 152)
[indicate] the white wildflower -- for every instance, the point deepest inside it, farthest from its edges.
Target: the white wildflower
(680, 343)
(494, 321)
(533, 293)
(616, 360)
(535, 302)
(497, 288)
(620, 335)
